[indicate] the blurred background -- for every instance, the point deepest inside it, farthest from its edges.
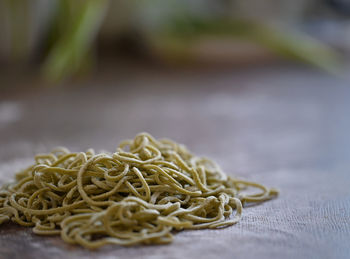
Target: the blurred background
(62, 39)
(98, 69)
(93, 72)
(260, 86)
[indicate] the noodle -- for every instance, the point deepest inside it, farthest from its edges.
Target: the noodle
(139, 194)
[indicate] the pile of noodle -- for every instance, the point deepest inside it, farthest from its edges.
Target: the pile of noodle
(140, 194)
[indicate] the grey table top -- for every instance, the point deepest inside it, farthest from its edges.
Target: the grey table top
(283, 126)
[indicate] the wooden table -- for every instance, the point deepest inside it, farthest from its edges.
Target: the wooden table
(284, 126)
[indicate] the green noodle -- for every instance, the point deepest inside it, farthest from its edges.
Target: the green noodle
(139, 194)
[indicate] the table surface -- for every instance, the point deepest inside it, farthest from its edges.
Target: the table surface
(283, 126)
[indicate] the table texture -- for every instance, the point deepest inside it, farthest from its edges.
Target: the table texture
(283, 126)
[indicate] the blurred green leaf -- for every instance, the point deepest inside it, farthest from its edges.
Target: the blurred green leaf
(284, 42)
(82, 20)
